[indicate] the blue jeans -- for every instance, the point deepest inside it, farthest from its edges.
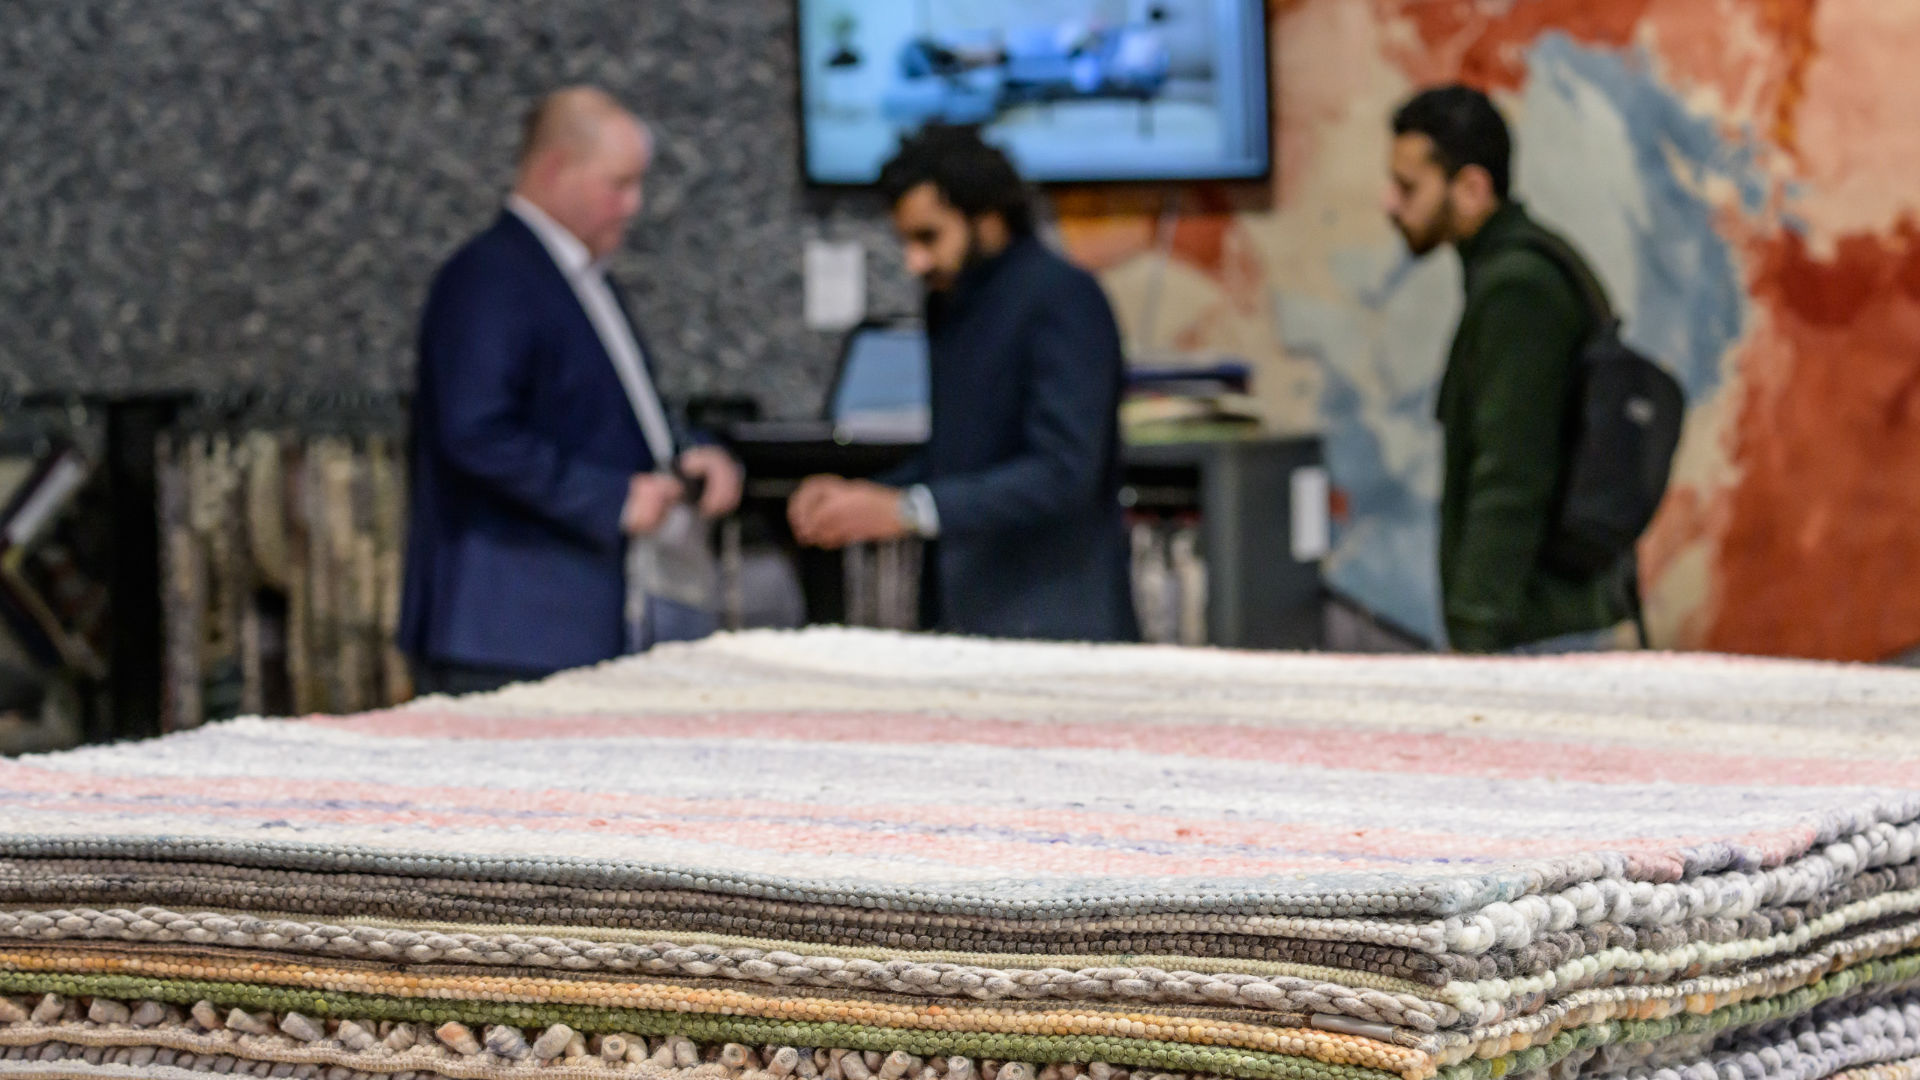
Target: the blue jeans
(1606, 639)
(665, 620)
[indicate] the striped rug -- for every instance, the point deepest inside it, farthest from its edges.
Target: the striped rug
(862, 856)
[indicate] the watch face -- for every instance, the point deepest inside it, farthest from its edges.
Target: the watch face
(913, 512)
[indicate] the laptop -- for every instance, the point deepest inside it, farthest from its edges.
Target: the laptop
(879, 395)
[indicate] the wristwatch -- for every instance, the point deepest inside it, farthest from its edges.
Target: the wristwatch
(917, 512)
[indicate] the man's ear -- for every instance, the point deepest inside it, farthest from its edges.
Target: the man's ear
(1476, 183)
(546, 166)
(991, 228)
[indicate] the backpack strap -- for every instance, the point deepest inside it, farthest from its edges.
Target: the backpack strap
(1592, 294)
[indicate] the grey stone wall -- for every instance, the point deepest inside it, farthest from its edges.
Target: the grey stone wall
(255, 193)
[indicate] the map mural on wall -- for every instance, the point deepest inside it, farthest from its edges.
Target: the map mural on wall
(1743, 175)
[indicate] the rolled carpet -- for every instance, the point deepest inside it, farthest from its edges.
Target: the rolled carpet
(863, 856)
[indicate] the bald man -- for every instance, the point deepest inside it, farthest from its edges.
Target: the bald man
(541, 451)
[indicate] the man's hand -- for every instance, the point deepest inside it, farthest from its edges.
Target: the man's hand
(649, 497)
(722, 476)
(832, 512)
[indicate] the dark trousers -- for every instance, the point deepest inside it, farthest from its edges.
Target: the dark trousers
(454, 679)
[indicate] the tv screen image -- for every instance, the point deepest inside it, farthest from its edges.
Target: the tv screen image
(1073, 90)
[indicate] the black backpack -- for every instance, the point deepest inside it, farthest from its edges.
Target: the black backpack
(1625, 417)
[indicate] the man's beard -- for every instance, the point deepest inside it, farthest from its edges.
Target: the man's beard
(940, 281)
(1436, 233)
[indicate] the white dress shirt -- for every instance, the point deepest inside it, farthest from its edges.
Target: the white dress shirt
(672, 562)
(589, 280)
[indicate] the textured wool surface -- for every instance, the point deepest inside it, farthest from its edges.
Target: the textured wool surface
(920, 858)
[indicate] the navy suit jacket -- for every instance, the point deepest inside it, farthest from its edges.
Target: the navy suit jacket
(524, 442)
(1023, 460)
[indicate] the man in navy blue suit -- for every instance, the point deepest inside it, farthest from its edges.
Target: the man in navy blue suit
(1017, 490)
(540, 447)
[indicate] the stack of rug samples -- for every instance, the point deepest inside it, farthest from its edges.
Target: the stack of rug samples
(856, 856)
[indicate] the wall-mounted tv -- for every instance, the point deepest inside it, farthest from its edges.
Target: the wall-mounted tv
(1073, 90)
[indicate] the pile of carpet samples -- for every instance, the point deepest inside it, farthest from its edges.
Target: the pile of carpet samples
(857, 855)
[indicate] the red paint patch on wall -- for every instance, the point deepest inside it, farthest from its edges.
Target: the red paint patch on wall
(1686, 518)
(1485, 45)
(1760, 67)
(1210, 237)
(1821, 548)
(1103, 229)
(1200, 239)
(1790, 24)
(1207, 232)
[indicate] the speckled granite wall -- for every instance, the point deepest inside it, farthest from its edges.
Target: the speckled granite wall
(255, 192)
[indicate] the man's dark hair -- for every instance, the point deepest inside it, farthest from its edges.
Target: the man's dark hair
(1466, 130)
(973, 177)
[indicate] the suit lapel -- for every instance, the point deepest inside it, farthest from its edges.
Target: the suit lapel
(565, 304)
(555, 282)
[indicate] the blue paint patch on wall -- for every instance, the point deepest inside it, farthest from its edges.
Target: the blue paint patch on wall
(1691, 303)
(1381, 350)
(1383, 558)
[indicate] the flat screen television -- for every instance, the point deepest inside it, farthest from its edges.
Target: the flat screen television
(1075, 91)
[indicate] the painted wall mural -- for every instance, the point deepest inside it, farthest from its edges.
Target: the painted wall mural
(1742, 174)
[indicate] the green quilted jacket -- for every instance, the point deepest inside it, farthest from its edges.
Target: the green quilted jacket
(1504, 406)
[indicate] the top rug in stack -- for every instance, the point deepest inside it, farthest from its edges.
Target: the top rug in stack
(856, 856)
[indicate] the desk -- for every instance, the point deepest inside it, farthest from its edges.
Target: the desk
(1238, 493)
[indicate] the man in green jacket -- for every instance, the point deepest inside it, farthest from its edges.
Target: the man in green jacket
(1506, 396)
